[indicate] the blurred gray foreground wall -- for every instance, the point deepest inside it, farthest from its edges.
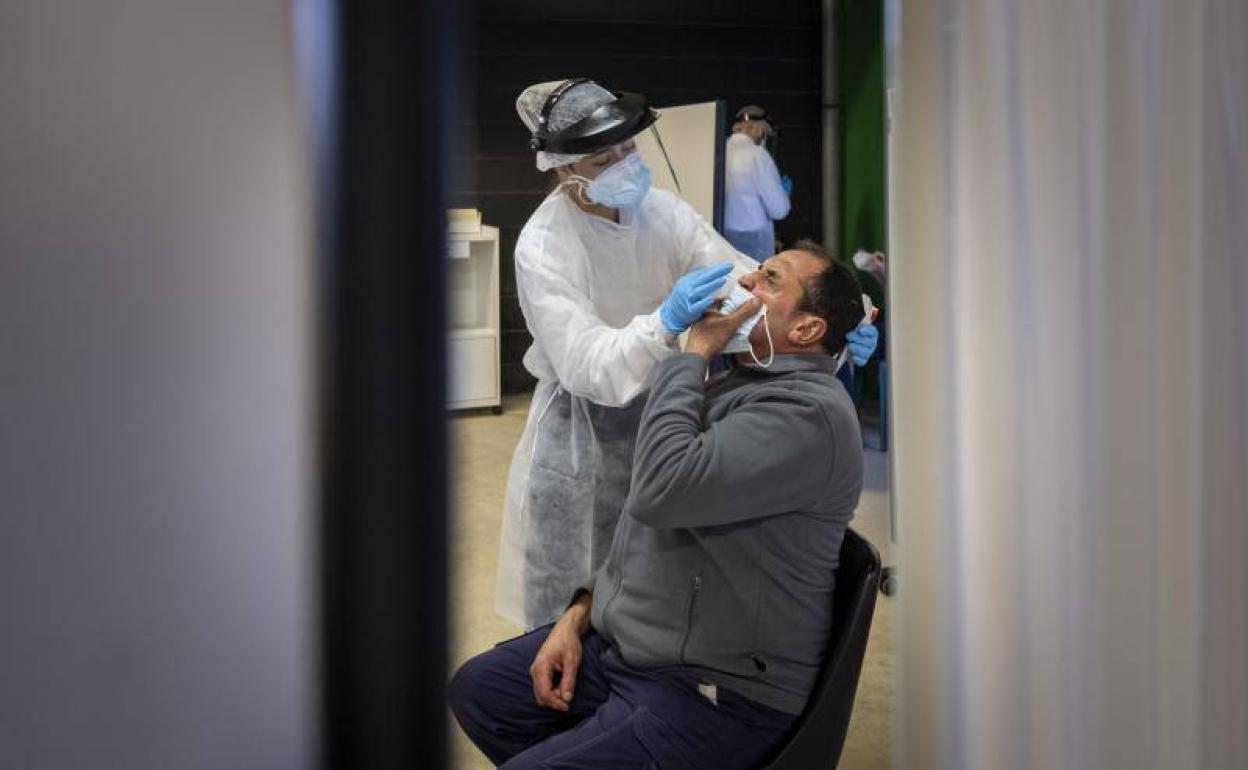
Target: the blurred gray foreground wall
(156, 562)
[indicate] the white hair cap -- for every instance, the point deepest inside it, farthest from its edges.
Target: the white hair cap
(576, 103)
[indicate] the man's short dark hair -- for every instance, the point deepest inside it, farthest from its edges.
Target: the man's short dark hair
(834, 295)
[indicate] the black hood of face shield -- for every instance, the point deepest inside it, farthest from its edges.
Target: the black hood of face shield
(610, 124)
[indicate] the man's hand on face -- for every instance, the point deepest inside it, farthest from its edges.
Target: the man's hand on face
(557, 662)
(709, 335)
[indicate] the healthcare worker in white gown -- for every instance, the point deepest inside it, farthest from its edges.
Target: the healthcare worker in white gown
(609, 271)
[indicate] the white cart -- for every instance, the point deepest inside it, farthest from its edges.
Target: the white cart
(473, 355)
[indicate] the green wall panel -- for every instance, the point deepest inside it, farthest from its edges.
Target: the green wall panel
(860, 69)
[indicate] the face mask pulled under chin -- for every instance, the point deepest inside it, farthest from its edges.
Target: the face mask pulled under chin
(740, 342)
(622, 186)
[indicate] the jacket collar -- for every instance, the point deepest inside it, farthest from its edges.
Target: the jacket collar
(784, 363)
(795, 362)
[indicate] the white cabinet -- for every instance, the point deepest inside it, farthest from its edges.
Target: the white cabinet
(474, 369)
(473, 345)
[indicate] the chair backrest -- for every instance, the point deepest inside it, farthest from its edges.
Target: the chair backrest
(820, 734)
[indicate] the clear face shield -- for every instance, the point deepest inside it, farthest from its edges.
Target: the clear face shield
(625, 183)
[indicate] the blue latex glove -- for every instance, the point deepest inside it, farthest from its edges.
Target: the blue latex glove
(786, 182)
(862, 343)
(691, 296)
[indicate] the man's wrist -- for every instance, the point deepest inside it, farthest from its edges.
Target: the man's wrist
(576, 616)
(700, 350)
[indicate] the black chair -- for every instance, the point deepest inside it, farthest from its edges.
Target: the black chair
(816, 744)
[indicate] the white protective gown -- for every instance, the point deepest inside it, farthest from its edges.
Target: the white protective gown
(753, 196)
(590, 290)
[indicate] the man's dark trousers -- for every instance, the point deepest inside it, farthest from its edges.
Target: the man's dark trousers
(620, 717)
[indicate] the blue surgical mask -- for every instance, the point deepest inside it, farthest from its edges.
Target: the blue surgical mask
(740, 342)
(622, 186)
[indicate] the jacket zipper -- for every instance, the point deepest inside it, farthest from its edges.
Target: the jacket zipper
(693, 600)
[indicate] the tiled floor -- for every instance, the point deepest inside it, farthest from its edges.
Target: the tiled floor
(482, 449)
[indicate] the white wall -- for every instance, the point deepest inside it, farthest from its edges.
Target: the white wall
(155, 526)
(691, 136)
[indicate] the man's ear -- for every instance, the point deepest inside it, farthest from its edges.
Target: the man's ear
(808, 332)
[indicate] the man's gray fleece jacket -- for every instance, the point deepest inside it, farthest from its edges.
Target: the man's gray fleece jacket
(722, 563)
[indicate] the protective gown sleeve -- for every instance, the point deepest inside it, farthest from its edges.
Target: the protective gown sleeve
(607, 365)
(767, 183)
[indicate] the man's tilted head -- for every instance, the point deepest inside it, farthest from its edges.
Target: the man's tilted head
(812, 300)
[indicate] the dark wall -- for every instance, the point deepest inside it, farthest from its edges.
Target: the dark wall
(675, 52)
(382, 472)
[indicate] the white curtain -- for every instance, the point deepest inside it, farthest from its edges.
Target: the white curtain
(1069, 305)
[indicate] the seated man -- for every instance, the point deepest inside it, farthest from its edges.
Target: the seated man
(698, 642)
